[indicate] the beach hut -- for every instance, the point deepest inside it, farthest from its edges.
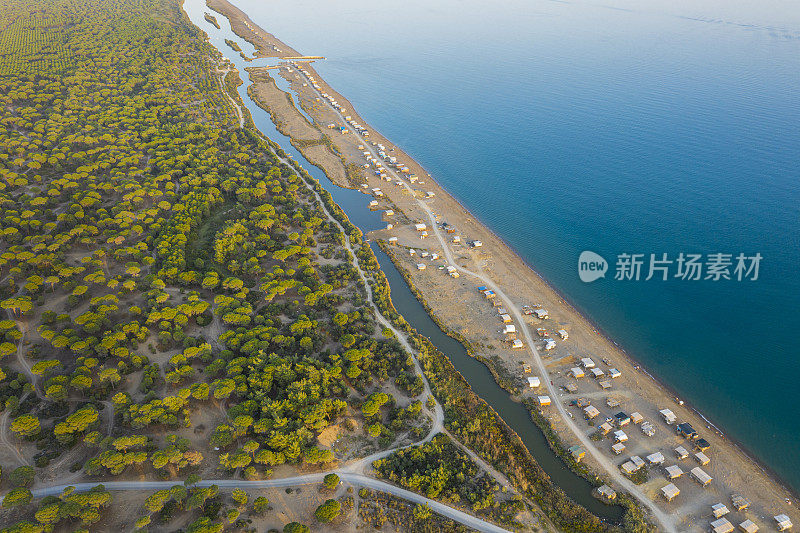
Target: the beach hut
(457, 239)
(636, 417)
(597, 373)
(638, 461)
(669, 416)
(412, 251)
(576, 372)
(452, 272)
(681, 452)
(434, 256)
(549, 344)
(606, 492)
(420, 227)
(622, 419)
(526, 368)
(489, 295)
(748, 526)
(388, 212)
(571, 388)
(655, 458)
(670, 491)
(373, 204)
(700, 476)
(541, 314)
(605, 384)
(721, 525)
(612, 402)
(510, 329)
(502, 311)
(505, 318)
(620, 436)
(702, 444)
(591, 412)
(782, 521)
(533, 381)
(629, 468)
(477, 244)
(389, 226)
(605, 427)
(719, 510)
(587, 362)
(543, 400)
(517, 344)
(542, 332)
(614, 373)
(577, 453)
(420, 266)
(392, 240)
(618, 448)
(673, 471)
(563, 334)
(648, 429)
(740, 503)
(423, 235)
(702, 458)
(686, 430)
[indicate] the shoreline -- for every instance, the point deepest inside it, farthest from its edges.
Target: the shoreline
(588, 319)
(561, 298)
(566, 301)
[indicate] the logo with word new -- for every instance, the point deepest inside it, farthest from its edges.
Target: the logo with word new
(591, 266)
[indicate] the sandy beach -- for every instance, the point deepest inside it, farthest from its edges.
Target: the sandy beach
(477, 319)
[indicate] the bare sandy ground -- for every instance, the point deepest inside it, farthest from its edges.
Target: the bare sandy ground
(733, 471)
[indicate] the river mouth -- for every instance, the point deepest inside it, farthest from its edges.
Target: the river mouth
(356, 206)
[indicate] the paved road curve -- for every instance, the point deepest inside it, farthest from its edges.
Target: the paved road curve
(308, 479)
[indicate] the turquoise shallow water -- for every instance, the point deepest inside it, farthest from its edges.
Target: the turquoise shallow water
(618, 127)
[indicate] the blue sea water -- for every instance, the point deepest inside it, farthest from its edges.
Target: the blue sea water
(614, 126)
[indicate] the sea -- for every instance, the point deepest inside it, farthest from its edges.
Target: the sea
(619, 127)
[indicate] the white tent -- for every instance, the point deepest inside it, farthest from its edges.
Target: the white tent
(656, 458)
(721, 525)
(783, 522)
(748, 526)
(719, 510)
(670, 491)
(544, 400)
(669, 416)
(700, 476)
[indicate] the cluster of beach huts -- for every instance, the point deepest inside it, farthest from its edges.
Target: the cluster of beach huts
(509, 333)
(424, 254)
(587, 366)
(383, 158)
(669, 462)
(422, 232)
(336, 105)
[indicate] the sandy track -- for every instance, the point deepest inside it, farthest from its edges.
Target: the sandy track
(234, 103)
(308, 479)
